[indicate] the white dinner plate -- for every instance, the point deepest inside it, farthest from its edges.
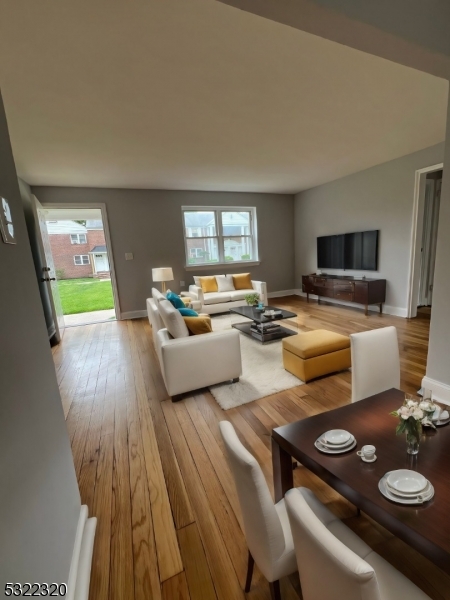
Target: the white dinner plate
(323, 441)
(399, 500)
(405, 480)
(407, 494)
(328, 450)
(337, 436)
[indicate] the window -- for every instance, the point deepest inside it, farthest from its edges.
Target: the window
(78, 238)
(81, 259)
(219, 234)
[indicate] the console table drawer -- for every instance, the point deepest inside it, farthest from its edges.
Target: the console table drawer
(343, 295)
(344, 287)
(326, 283)
(327, 292)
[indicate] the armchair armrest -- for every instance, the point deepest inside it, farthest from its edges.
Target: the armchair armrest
(200, 360)
(261, 288)
(196, 293)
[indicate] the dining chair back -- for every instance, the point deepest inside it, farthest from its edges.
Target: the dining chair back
(375, 362)
(262, 524)
(334, 563)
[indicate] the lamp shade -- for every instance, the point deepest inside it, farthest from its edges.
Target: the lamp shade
(162, 274)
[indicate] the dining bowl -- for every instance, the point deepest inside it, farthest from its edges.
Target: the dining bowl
(337, 436)
(405, 480)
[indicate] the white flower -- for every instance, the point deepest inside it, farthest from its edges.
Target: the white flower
(404, 412)
(411, 404)
(417, 414)
(424, 405)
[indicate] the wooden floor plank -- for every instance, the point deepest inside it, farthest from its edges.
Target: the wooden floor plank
(169, 558)
(198, 575)
(176, 588)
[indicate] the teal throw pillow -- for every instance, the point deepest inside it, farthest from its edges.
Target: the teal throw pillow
(188, 312)
(175, 300)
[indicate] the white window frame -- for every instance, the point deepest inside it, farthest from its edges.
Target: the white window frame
(72, 235)
(220, 237)
(81, 264)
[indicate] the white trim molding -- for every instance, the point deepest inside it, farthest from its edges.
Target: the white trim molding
(282, 293)
(80, 566)
(396, 311)
(133, 314)
(441, 391)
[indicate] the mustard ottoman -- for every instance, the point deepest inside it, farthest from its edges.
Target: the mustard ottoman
(315, 353)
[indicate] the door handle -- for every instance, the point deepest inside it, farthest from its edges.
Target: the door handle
(48, 279)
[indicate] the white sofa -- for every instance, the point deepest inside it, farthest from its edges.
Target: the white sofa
(219, 302)
(191, 362)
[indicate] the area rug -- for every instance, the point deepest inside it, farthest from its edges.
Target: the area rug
(262, 369)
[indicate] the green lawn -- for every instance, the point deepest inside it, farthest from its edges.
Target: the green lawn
(85, 295)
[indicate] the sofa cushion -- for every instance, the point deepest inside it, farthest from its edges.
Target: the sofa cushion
(175, 300)
(198, 325)
(242, 281)
(208, 284)
(240, 294)
(172, 319)
(225, 283)
(188, 312)
(217, 297)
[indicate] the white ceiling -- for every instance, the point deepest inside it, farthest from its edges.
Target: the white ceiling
(194, 94)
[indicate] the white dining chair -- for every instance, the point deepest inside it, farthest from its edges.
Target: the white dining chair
(334, 563)
(266, 525)
(375, 362)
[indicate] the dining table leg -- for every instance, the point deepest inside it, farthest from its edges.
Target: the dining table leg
(283, 478)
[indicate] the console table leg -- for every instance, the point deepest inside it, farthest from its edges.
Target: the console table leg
(381, 308)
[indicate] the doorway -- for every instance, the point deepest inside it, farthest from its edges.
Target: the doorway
(83, 264)
(424, 240)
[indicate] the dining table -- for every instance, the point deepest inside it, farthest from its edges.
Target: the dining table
(425, 527)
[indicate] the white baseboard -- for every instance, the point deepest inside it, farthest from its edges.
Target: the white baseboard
(395, 311)
(133, 314)
(80, 566)
(441, 391)
(281, 293)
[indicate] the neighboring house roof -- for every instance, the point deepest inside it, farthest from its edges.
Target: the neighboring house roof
(99, 249)
(54, 227)
(94, 224)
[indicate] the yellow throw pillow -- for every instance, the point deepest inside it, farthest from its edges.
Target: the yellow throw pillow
(198, 325)
(243, 281)
(186, 300)
(208, 284)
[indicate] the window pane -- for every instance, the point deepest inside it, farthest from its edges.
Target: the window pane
(202, 250)
(236, 223)
(85, 260)
(82, 238)
(199, 223)
(74, 238)
(77, 260)
(238, 248)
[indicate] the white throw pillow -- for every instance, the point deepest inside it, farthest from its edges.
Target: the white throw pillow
(172, 319)
(197, 281)
(225, 283)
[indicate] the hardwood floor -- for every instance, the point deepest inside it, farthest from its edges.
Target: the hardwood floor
(154, 472)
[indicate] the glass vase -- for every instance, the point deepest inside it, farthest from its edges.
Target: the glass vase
(412, 443)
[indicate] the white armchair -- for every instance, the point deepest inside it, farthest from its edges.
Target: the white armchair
(191, 362)
(198, 361)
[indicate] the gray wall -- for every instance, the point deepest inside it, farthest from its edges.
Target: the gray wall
(378, 198)
(148, 223)
(39, 499)
(439, 348)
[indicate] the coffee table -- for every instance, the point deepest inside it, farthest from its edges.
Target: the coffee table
(250, 312)
(426, 528)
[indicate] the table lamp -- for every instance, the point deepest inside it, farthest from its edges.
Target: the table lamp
(162, 274)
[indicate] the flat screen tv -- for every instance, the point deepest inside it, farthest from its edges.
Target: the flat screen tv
(357, 251)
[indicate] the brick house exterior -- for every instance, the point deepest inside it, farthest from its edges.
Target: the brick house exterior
(73, 243)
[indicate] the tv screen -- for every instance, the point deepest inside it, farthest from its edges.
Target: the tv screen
(358, 251)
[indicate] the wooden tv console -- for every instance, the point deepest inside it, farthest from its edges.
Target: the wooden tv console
(360, 290)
